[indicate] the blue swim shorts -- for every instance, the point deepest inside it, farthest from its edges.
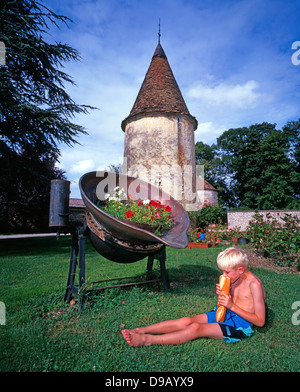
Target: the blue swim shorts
(234, 327)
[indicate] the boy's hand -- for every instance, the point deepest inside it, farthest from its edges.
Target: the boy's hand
(224, 299)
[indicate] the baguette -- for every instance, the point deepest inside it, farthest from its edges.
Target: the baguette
(224, 282)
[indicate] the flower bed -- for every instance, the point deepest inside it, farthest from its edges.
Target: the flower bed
(196, 236)
(197, 239)
(149, 214)
(214, 234)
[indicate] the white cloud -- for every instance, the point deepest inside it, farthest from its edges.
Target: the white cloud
(233, 96)
(82, 166)
(208, 131)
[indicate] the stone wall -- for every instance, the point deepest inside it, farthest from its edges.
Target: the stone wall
(242, 218)
(160, 149)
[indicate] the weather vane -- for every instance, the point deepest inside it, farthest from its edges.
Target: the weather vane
(159, 31)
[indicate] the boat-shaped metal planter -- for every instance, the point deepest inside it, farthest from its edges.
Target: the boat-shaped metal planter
(110, 232)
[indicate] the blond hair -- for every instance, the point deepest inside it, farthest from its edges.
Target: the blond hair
(232, 258)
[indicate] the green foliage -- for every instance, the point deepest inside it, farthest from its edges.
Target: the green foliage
(262, 165)
(257, 167)
(34, 107)
(25, 191)
(35, 111)
(273, 239)
(214, 171)
(207, 214)
(219, 231)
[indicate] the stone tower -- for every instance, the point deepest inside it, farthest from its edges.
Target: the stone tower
(159, 134)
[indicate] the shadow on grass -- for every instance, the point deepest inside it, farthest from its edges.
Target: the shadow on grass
(35, 246)
(187, 280)
(270, 315)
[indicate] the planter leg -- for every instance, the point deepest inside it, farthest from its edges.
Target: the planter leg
(150, 263)
(161, 257)
(72, 268)
(163, 270)
(77, 251)
(81, 246)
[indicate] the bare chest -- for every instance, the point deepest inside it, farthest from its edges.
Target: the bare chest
(241, 295)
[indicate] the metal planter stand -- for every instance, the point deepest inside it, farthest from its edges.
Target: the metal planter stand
(115, 240)
(77, 257)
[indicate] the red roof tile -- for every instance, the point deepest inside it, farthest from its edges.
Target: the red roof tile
(206, 184)
(76, 203)
(159, 92)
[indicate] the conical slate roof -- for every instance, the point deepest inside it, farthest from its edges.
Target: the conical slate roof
(159, 92)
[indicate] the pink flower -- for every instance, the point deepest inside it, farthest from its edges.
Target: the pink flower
(131, 196)
(158, 215)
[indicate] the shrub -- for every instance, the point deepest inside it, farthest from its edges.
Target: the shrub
(207, 214)
(218, 231)
(280, 241)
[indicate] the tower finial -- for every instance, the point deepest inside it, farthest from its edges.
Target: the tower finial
(159, 31)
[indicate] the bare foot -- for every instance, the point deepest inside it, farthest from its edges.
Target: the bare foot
(127, 334)
(135, 339)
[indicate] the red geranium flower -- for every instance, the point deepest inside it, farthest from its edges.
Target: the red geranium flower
(128, 213)
(168, 208)
(155, 203)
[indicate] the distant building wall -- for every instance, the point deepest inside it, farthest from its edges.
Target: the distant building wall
(206, 193)
(159, 150)
(207, 196)
(242, 218)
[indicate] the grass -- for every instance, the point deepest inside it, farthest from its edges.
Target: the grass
(43, 334)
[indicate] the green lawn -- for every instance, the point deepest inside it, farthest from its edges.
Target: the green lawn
(42, 333)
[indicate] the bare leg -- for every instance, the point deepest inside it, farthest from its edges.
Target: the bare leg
(191, 332)
(171, 325)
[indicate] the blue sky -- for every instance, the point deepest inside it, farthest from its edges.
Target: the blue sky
(232, 60)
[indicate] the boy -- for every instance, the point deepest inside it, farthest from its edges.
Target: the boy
(245, 307)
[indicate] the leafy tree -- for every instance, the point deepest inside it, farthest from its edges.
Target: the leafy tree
(262, 165)
(213, 171)
(35, 109)
(25, 189)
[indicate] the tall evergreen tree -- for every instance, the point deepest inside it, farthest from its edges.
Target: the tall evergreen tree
(35, 109)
